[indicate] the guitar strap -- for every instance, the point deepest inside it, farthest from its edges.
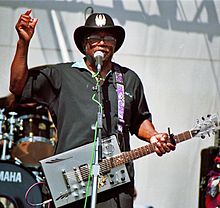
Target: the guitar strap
(121, 101)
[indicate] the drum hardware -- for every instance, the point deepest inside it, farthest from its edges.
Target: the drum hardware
(12, 122)
(5, 154)
(2, 119)
(7, 138)
(53, 135)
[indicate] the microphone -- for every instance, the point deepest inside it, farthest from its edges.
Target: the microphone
(98, 55)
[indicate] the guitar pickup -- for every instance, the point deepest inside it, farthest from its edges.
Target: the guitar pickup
(84, 172)
(65, 179)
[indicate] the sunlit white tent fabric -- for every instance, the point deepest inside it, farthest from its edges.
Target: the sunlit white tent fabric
(174, 46)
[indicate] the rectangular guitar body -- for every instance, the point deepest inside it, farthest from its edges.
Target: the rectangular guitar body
(67, 173)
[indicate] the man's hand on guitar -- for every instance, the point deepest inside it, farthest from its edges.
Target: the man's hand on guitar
(162, 143)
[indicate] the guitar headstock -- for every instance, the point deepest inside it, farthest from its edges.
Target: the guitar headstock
(206, 126)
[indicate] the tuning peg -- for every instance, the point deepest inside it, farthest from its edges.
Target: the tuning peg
(171, 137)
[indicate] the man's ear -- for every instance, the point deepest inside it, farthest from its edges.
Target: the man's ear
(84, 46)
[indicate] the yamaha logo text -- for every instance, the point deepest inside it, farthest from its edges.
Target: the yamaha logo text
(10, 176)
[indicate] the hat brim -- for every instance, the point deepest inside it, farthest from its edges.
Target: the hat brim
(81, 32)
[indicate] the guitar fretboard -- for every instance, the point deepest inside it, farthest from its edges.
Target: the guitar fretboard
(125, 157)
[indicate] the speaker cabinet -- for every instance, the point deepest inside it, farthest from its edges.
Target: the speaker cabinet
(207, 164)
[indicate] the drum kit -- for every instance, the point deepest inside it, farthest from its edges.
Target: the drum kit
(24, 141)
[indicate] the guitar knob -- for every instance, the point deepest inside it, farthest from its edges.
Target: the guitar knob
(75, 187)
(202, 136)
(122, 178)
(76, 194)
(111, 175)
(83, 184)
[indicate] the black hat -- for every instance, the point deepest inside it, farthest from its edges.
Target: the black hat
(96, 22)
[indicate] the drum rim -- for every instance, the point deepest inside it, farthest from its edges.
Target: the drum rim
(38, 116)
(31, 139)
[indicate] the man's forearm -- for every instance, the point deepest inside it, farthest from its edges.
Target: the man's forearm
(146, 130)
(19, 68)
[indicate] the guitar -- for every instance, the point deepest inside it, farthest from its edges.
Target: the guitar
(67, 173)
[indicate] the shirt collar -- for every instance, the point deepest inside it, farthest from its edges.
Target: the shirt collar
(82, 65)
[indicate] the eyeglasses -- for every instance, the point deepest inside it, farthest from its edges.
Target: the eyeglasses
(96, 39)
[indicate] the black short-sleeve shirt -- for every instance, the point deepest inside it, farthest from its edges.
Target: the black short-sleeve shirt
(68, 92)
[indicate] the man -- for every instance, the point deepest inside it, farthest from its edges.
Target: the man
(67, 89)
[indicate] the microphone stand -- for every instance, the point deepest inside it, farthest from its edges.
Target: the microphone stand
(98, 148)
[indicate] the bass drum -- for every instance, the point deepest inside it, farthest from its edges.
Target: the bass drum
(15, 180)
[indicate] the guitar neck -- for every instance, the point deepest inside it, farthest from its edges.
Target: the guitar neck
(125, 157)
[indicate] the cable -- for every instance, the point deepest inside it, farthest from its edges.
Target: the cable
(94, 142)
(36, 204)
(90, 166)
(95, 75)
